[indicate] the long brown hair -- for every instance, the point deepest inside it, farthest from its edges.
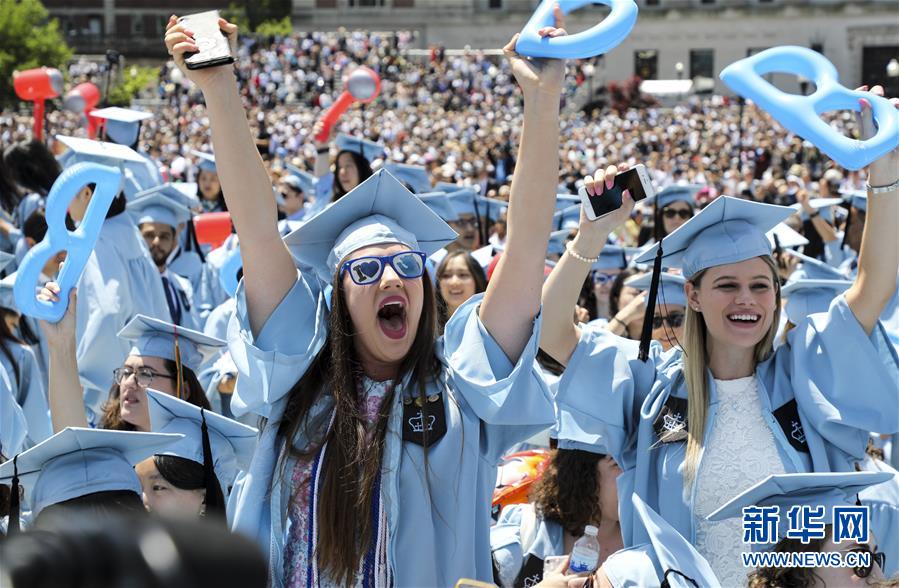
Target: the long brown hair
(696, 362)
(569, 489)
(352, 461)
(112, 410)
(477, 273)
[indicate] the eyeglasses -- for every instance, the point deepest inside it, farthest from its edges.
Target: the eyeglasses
(144, 375)
(673, 320)
(877, 557)
(684, 213)
(367, 270)
(467, 222)
(601, 278)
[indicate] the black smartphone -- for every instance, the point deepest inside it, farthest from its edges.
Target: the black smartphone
(215, 49)
(635, 180)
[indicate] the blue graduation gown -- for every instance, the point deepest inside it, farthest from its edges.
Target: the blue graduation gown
(118, 282)
(883, 503)
(13, 426)
(518, 564)
(183, 298)
(821, 395)
(490, 404)
(28, 390)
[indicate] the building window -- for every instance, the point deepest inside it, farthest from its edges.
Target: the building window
(366, 3)
(702, 63)
(646, 64)
(706, 1)
(137, 25)
(495, 4)
(653, 2)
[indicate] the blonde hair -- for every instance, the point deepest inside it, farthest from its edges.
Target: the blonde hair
(696, 360)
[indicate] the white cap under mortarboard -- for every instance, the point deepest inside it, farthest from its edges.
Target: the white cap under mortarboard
(230, 444)
(367, 149)
(440, 205)
(157, 207)
(826, 489)
(205, 161)
(122, 124)
(377, 211)
(76, 462)
(809, 296)
(729, 230)
(671, 287)
(151, 336)
(416, 177)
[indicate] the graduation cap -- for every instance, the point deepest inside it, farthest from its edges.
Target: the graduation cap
(613, 257)
(557, 241)
(76, 462)
(676, 193)
(564, 201)
(671, 287)
(827, 489)
(822, 205)
(492, 208)
(808, 296)
(447, 187)
(464, 200)
(121, 156)
(151, 336)
(122, 124)
(856, 198)
(5, 259)
(783, 235)
(414, 176)
(308, 181)
(7, 285)
(440, 205)
(206, 161)
(221, 445)
(678, 561)
(380, 210)
(567, 218)
(367, 149)
(158, 207)
(728, 230)
(189, 193)
(813, 268)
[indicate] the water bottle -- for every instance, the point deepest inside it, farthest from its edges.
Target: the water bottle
(585, 554)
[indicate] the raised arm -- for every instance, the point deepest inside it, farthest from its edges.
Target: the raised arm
(878, 259)
(268, 268)
(65, 394)
(559, 335)
(512, 300)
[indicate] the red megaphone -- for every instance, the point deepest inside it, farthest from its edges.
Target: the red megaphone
(83, 98)
(37, 85)
(212, 228)
(362, 85)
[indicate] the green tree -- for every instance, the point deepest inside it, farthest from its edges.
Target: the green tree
(259, 16)
(29, 39)
(133, 81)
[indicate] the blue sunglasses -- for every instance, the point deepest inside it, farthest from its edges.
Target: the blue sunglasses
(368, 270)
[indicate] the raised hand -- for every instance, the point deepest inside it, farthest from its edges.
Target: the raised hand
(539, 75)
(63, 331)
(884, 171)
(597, 231)
(179, 40)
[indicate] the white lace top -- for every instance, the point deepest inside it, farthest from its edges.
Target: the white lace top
(740, 451)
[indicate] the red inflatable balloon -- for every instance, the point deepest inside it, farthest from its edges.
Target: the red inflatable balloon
(83, 98)
(212, 228)
(362, 85)
(37, 85)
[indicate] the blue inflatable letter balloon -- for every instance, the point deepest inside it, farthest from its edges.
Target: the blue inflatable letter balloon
(78, 243)
(800, 114)
(597, 40)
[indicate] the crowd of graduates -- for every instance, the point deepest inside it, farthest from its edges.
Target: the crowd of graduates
(414, 316)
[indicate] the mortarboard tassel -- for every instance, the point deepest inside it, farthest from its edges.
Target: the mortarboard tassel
(646, 335)
(179, 378)
(13, 525)
(212, 497)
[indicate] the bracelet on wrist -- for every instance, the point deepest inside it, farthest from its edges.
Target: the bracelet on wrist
(619, 321)
(883, 189)
(569, 247)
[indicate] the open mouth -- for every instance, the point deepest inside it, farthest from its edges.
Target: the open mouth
(392, 317)
(744, 319)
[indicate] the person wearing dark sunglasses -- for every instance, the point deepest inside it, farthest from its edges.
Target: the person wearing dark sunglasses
(674, 206)
(390, 433)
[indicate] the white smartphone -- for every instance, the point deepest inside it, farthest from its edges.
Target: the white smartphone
(635, 180)
(215, 49)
